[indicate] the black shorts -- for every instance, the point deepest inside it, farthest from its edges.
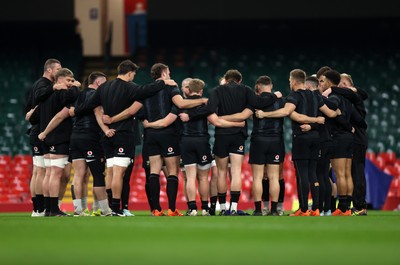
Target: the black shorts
(120, 145)
(195, 150)
(37, 145)
(58, 149)
(166, 145)
(85, 149)
(266, 150)
(305, 147)
(342, 147)
(326, 149)
(226, 144)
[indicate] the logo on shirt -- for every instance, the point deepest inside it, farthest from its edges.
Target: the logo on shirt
(52, 148)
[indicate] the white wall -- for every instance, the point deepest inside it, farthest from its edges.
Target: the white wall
(115, 10)
(94, 32)
(91, 27)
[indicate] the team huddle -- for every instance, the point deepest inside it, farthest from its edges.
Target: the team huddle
(95, 130)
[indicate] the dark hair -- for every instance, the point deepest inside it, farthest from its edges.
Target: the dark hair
(157, 69)
(333, 76)
(50, 63)
(264, 80)
(93, 76)
(127, 66)
(322, 70)
(233, 75)
(298, 75)
(313, 80)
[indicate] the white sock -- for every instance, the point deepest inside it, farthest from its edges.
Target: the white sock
(234, 206)
(84, 203)
(78, 205)
(266, 205)
(96, 205)
(103, 204)
(223, 206)
(280, 206)
(59, 203)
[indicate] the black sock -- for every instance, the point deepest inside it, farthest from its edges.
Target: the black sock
(109, 196)
(265, 188)
(154, 185)
(342, 202)
(192, 205)
(34, 204)
(222, 198)
(126, 187)
(54, 205)
(40, 202)
(315, 195)
(204, 205)
(281, 190)
(333, 203)
(213, 202)
(47, 204)
(115, 205)
(172, 191)
(349, 200)
(73, 192)
(257, 205)
(273, 206)
(235, 195)
(147, 189)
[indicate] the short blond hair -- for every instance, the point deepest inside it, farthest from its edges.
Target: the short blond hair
(196, 85)
(348, 78)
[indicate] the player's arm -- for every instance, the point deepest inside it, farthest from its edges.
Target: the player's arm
(301, 118)
(29, 113)
(98, 112)
(161, 123)
(125, 114)
(182, 103)
(240, 116)
(218, 122)
(55, 121)
(279, 113)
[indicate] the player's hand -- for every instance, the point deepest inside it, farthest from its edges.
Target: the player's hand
(260, 114)
(145, 123)
(339, 112)
(305, 127)
(320, 120)
(184, 117)
(327, 92)
(77, 83)
(278, 94)
(110, 133)
(42, 136)
(60, 86)
(71, 111)
(170, 82)
(106, 119)
(241, 123)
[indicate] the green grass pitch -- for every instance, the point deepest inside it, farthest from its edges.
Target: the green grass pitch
(246, 240)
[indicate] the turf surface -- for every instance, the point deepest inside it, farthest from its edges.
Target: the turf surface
(372, 239)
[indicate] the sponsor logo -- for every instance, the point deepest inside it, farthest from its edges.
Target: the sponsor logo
(277, 157)
(240, 149)
(35, 149)
(89, 153)
(204, 157)
(170, 149)
(120, 150)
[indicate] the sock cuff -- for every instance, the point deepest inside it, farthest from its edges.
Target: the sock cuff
(172, 177)
(154, 176)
